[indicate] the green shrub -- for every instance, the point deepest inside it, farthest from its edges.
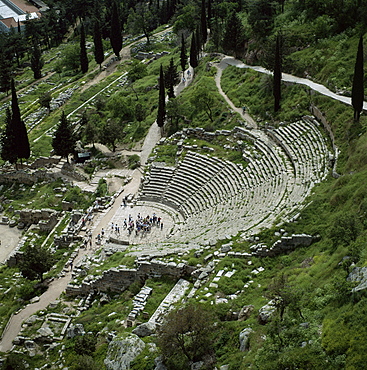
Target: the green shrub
(85, 344)
(134, 161)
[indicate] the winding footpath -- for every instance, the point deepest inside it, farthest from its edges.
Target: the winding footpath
(293, 79)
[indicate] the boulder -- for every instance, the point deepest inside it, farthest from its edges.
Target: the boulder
(75, 330)
(121, 351)
(266, 312)
(45, 331)
(244, 339)
(159, 365)
(145, 329)
(245, 312)
(358, 274)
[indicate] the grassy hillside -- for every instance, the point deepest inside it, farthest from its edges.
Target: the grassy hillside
(319, 322)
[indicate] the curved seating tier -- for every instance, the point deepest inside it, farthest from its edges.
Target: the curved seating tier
(218, 198)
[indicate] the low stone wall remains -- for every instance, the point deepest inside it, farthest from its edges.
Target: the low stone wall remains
(285, 244)
(119, 279)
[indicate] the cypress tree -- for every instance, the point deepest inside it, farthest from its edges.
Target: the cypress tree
(183, 56)
(98, 44)
(277, 76)
(63, 141)
(203, 23)
(193, 52)
(209, 13)
(8, 142)
(83, 51)
(116, 37)
(357, 88)
(36, 61)
(198, 40)
(171, 78)
(161, 115)
(233, 37)
(22, 148)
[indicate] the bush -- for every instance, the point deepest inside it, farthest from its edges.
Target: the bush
(85, 363)
(85, 345)
(134, 161)
(102, 189)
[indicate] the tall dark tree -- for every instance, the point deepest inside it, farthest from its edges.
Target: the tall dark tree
(357, 88)
(183, 56)
(5, 70)
(198, 40)
(36, 61)
(171, 78)
(277, 74)
(8, 142)
(64, 141)
(98, 44)
(22, 144)
(233, 37)
(161, 115)
(203, 23)
(209, 14)
(83, 51)
(193, 52)
(116, 32)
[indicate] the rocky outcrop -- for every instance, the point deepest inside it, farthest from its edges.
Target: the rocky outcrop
(266, 312)
(244, 339)
(121, 351)
(359, 275)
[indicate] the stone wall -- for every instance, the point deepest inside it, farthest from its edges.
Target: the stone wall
(27, 177)
(285, 244)
(44, 162)
(119, 279)
(34, 216)
(69, 170)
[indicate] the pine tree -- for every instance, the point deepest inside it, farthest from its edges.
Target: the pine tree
(116, 37)
(193, 52)
(357, 88)
(183, 56)
(277, 75)
(98, 44)
(22, 144)
(161, 115)
(8, 142)
(63, 141)
(83, 51)
(36, 61)
(203, 23)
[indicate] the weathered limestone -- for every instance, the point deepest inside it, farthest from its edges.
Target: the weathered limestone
(121, 351)
(358, 274)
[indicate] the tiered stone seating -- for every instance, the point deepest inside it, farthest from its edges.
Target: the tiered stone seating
(218, 198)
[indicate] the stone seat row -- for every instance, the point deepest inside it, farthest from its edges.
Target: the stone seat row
(190, 194)
(215, 195)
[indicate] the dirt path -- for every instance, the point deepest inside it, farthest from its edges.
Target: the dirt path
(220, 68)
